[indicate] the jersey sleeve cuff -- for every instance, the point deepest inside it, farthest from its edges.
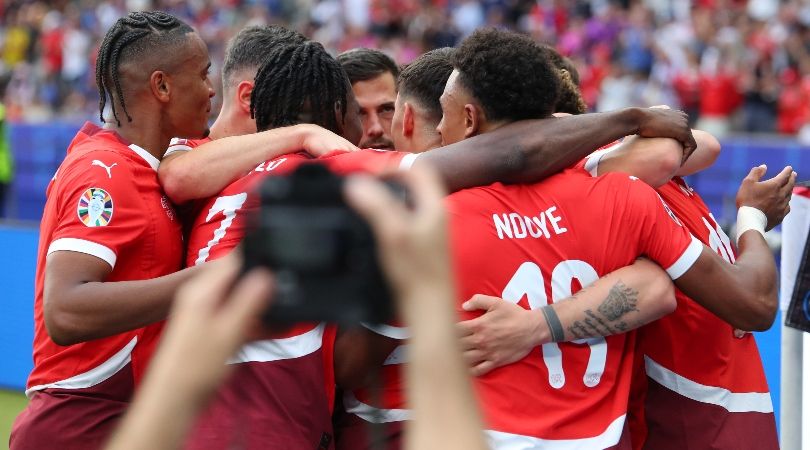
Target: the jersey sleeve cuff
(407, 161)
(686, 260)
(399, 333)
(83, 246)
(176, 149)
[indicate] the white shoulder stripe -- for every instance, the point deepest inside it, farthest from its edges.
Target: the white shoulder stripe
(372, 414)
(731, 401)
(389, 331)
(686, 260)
(279, 349)
(93, 376)
(509, 441)
(83, 246)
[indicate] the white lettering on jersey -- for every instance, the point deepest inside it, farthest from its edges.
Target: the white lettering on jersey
(516, 226)
(272, 165)
(104, 166)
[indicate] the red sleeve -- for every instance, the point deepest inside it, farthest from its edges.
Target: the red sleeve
(664, 239)
(99, 207)
(370, 161)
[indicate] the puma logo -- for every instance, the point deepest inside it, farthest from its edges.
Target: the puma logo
(106, 167)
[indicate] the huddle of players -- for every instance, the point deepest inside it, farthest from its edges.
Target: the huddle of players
(96, 325)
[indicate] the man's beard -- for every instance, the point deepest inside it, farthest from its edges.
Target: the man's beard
(380, 143)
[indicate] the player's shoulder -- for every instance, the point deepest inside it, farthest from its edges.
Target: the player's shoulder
(178, 144)
(365, 160)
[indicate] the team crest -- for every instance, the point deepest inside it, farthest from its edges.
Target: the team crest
(95, 208)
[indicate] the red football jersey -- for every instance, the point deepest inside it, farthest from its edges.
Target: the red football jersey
(705, 388)
(537, 244)
(283, 388)
(104, 201)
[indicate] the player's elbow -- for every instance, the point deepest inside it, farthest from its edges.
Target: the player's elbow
(708, 145)
(63, 328)
(663, 291)
(175, 181)
(667, 161)
(763, 314)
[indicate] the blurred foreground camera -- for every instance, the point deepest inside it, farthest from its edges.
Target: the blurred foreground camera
(322, 253)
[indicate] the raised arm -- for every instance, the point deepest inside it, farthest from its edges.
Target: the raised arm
(79, 306)
(744, 294)
(205, 171)
(708, 149)
(531, 150)
(618, 302)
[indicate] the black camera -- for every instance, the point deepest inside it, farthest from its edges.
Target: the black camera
(322, 253)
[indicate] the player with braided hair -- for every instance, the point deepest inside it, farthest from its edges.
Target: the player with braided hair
(110, 242)
(234, 148)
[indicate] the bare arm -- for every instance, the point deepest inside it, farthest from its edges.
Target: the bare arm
(744, 294)
(79, 306)
(360, 352)
(618, 302)
(706, 153)
(531, 150)
(212, 166)
(656, 160)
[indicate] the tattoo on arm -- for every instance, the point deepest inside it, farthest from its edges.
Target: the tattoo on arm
(620, 301)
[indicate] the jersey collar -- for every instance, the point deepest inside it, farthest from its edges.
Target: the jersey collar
(148, 157)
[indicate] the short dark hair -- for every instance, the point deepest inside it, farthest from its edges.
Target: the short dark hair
(570, 100)
(424, 79)
(295, 79)
(250, 47)
(508, 74)
(363, 64)
(131, 37)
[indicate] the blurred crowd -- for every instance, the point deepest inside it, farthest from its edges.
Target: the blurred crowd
(734, 65)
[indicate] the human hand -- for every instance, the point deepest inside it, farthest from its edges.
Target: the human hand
(412, 241)
(211, 318)
(319, 141)
(772, 196)
(667, 123)
(505, 333)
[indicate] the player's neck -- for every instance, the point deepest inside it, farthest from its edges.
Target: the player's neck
(231, 122)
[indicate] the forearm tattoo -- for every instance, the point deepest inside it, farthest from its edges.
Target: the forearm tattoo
(607, 319)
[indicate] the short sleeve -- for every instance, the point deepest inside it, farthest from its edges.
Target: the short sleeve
(178, 145)
(664, 239)
(370, 161)
(99, 209)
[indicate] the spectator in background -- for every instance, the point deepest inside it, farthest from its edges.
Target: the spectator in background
(6, 161)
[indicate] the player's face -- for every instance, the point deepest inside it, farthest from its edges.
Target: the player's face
(452, 127)
(376, 98)
(191, 90)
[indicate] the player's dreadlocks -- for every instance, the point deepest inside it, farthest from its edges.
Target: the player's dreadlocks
(295, 80)
(131, 37)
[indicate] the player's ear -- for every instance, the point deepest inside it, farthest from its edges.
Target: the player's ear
(243, 92)
(408, 120)
(160, 85)
(472, 120)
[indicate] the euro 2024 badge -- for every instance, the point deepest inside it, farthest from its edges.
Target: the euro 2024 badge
(95, 207)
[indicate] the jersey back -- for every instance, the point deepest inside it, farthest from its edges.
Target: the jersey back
(538, 244)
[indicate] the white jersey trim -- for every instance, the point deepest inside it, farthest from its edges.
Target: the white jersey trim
(398, 356)
(499, 440)
(93, 376)
(389, 331)
(372, 414)
(176, 146)
(407, 161)
(280, 349)
(734, 402)
(83, 246)
(687, 259)
(592, 161)
(148, 157)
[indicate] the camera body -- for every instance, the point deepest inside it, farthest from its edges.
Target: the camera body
(322, 253)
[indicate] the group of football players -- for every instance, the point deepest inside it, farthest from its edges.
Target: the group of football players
(600, 303)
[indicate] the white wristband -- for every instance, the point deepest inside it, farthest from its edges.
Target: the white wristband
(750, 218)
